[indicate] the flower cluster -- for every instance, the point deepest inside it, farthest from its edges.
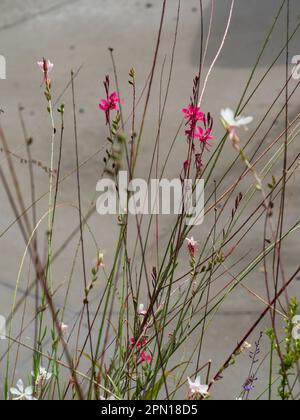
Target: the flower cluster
(110, 103)
(42, 377)
(22, 393)
(193, 113)
(141, 346)
(194, 131)
(197, 390)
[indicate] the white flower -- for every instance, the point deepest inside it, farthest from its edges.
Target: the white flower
(192, 242)
(196, 389)
(42, 377)
(22, 393)
(141, 310)
(231, 122)
(112, 398)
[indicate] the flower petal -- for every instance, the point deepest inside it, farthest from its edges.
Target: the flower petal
(198, 381)
(244, 121)
(29, 391)
(190, 382)
(228, 116)
(50, 66)
(15, 391)
(41, 65)
(20, 385)
(204, 389)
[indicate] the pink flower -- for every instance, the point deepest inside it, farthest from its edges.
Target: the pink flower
(203, 135)
(192, 246)
(193, 113)
(109, 104)
(145, 358)
(46, 67)
(198, 126)
(139, 344)
(114, 99)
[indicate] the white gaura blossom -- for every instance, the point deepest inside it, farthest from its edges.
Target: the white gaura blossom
(42, 377)
(196, 389)
(141, 310)
(232, 122)
(21, 393)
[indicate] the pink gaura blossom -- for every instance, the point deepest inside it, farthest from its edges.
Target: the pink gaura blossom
(198, 126)
(145, 358)
(203, 135)
(46, 67)
(192, 246)
(139, 344)
(193, 113)
(111, 103)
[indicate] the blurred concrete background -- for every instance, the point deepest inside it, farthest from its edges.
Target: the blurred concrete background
(78, 32)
